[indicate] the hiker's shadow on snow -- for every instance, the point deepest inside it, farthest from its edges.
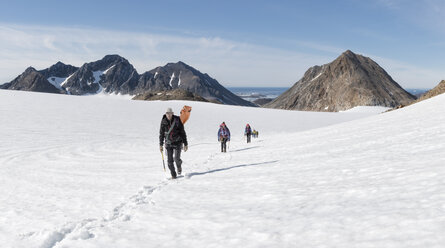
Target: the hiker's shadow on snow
(200, 144)
(243, 149)
(228, 168)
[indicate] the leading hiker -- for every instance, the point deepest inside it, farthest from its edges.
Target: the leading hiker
(172, 131)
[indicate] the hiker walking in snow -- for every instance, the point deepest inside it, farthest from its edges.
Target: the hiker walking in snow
(223, 136)
(248, 132)
(172, 131)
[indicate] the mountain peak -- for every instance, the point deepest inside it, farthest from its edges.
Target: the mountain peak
(180, 66)
(113, 58)
(30, 69)
(350, 80)
(59, 69)
(59, 63)
(179, 63)
(349, 55)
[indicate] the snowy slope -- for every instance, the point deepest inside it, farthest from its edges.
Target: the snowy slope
(86, 172)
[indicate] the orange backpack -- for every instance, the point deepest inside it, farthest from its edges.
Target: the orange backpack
(185, 114)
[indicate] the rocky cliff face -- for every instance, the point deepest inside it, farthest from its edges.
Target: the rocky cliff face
(350, 80)
(176, 94)
(439, 89)
(32, 80)
(114, 74)
(59, 70)
(180, 75)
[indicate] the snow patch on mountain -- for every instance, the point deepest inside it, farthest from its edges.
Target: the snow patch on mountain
(56, 81)
(171, 79)
(317, 76)
(111, 67)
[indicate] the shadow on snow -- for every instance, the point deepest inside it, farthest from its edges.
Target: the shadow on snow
(243, 149)
(227, 168)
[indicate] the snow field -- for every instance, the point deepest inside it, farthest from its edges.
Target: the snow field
(86, 172)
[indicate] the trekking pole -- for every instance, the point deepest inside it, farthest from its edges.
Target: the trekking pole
(163, 163)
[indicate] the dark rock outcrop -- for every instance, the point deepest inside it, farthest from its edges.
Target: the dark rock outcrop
(112, 74)
(350, 80)
(180, 75)
(439, 89)
(176, 94)
(32, 80)
(59, 70)
(5, 85)
(262, 101)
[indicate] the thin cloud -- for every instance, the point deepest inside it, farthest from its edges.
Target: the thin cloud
(231, 63)
(410, 76)
(367, 33)
(320, 47)
(391, 4)
(228, 61)
(428, 14)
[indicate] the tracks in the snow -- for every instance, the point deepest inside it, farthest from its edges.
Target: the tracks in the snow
(84, 229)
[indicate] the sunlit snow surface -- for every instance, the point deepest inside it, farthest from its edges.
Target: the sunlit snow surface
(87, 172)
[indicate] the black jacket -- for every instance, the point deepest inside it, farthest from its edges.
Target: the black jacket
(177, 135)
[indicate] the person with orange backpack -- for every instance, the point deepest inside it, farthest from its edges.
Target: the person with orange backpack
(223, 136)
(172, 131)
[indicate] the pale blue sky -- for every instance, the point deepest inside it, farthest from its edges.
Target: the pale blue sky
(240, 43)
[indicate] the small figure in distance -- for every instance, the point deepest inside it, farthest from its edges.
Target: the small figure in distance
(248, 132)
(223, 136)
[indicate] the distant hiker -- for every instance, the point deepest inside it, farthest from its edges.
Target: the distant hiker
(248, 132)
(223, 136)
(254, 133)
(172, 130)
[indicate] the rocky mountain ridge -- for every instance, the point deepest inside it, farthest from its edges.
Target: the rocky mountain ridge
(114, 74)
(176, 94)
(439, 89)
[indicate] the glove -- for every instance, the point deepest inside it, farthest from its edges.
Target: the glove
(161, 148)
(186, 148)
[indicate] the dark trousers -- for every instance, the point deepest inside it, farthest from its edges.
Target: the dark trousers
(223, 145)
(248, 137)
(174, 154)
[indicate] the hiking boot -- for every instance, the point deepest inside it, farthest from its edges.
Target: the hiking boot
(179, 171)
(173, 176)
